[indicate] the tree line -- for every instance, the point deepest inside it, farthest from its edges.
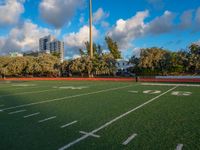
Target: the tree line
(152, 61)
(158, 61)
(48, 65)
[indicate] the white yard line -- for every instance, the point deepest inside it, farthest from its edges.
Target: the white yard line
(31, 115)
(46, 119)
(179, 147)
(65, 98)
(114, 120)
(133, 91)
(129, 139)
(69, 124)
(23, 93)
(16, 112)
(14, 88)
(89, 134)
(27, 93)
(165, 84)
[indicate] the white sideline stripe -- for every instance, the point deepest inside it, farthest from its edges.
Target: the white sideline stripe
(22, 93)
(163, 84)
(89, 134)
(65, 98)
(15, 112)
(179, 147)
(129, 139)
(46, 119)
(71, 123)
(114, 120)
(31, 115)
(27, 93)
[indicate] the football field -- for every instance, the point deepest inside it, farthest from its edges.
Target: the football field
(99, 115)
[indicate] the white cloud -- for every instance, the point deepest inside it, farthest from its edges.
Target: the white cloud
(162, 24)
(58, 12)
(99, 15)
(22, 38)
(76, 40)
(79, 38)
(10, 12)
(186, 19)
(197, 19)
(125, 31)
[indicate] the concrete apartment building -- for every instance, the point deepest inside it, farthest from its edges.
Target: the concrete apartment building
(49, 44)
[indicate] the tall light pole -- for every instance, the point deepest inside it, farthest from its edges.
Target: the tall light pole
(91, 37)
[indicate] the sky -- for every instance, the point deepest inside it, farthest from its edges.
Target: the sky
(133, 24)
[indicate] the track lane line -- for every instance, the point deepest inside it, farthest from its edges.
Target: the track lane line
(114, 120)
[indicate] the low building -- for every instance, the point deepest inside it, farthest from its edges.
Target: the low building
(16, 54)
(123, 65)
(32, 53)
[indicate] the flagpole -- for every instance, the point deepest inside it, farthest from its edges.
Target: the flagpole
(91, 37)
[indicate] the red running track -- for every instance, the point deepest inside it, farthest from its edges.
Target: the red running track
(185, 80)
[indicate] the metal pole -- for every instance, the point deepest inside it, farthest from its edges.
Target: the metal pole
(91, 37)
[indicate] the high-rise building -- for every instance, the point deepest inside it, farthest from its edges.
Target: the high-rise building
(49, 44)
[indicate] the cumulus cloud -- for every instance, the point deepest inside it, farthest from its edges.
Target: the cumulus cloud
(99, 15)
(162, 24)
(58, 12)
(125, 31)
(22, 38)
(186, 19)
(10, 12)
(197, 19)
(75, 40)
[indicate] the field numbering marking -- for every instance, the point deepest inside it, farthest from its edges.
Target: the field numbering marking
(181, 93)
(31, 115)
(46, 119)
(114, 120)
(71, 123)
(151, 92)
(16, 112)
(129, 139)
(179, 147)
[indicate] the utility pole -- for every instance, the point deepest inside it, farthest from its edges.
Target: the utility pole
(91, 37)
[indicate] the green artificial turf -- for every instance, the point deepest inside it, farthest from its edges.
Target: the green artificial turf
(162, 124)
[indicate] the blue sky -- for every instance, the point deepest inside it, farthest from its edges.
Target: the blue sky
(134, 24)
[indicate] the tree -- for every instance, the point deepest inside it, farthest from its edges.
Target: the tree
(78, 65)
(194, 57)
(154, 60)
(113, 47)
